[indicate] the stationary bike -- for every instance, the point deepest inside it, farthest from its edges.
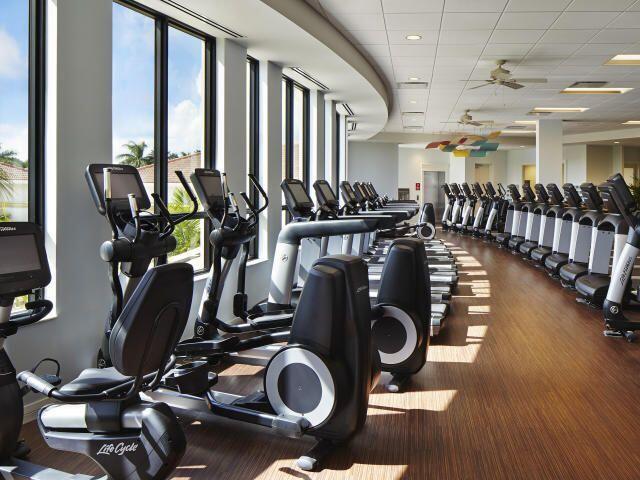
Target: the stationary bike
(100, 413)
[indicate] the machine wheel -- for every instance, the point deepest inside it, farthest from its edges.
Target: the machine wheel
(394, 335)
(299, 383)
(427, 232)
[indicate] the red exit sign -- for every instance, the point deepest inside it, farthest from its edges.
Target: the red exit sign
(418, 186)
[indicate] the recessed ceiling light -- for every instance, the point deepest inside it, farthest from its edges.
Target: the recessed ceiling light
(601, 91)
(526, 122)
(626, 59)
(632, 122)
(560, 109)
(414, 79)
(616, 142)
(414, 37)
(412, 102)
(521, 146)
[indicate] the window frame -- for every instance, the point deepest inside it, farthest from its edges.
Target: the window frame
(336, 172)
(161, 109)
(254, 141)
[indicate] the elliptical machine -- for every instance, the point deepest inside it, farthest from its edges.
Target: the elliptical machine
(137, 237)
(100, 413)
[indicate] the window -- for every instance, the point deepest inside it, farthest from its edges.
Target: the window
(295, 132)
(164, 112)
(253, 136)
(185, 138)
(133, 95)
(22, 88)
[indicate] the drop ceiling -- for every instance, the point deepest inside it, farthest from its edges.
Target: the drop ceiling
(564, 41)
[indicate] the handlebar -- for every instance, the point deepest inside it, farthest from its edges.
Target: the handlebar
(35, 311)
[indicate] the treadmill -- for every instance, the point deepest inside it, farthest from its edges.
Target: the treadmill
(514, 212)
(551, 229)
(566, 229)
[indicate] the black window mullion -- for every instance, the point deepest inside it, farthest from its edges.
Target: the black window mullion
(161, 136)
(337, 153)
(289, 128)
(306, 148)
(210, 107)
(254, 136)
(37, 92)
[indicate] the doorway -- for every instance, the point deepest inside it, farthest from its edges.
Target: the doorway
(432, 190)
(529, 173)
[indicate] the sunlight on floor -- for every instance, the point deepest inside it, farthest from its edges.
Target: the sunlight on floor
(388, 404)
(479, 309)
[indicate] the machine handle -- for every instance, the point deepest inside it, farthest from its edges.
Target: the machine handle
(35, 383)
(35, 312)
(263, 194)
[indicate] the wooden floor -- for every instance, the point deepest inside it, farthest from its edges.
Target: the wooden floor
(521, 384)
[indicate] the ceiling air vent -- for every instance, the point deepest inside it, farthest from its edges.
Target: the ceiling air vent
(516, 127)
(412, 85)
(538, 114)
(588, 85)
(313, 80)
(202, 18)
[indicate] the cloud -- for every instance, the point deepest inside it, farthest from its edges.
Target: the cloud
(12, 63)
(15, 137)
(186, 127)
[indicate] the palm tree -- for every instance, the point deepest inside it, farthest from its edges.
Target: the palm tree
(6, 188)
(135, 155)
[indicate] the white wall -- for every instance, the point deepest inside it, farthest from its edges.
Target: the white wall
(375, 162)
(515, 160)
(599, 163)
(413, 161)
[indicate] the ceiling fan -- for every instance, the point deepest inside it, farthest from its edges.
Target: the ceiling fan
(467, 119)
(502, 76)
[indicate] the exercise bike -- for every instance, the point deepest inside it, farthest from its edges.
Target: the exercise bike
(98, 414)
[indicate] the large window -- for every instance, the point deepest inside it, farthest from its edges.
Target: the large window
(164, 112)
(22, 72)
(253, 135)
(295, 131)
(22, 87)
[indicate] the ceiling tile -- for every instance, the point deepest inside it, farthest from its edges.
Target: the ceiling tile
(404, 73)
(461, 37)
(617, 35)
(601, 49)
(599, 5)
(584, 20)
(366, 21)
(537, 6)
(554, 49)
(592, 60)
(474, 5)
(353, 6)
(542, 61)
(568, 36)
(516, 36)
(404, 21)
(413, 61)
(459, 50)
(413, 50)
(410, 6)
(627, 20)
(527, 20)
(455, 61)
(370, 37)
(399, 37)
(462, 21)
(505, 49)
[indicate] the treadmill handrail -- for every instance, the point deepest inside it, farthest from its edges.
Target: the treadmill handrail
(293, 232)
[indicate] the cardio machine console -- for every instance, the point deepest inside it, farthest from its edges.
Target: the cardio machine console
(590, 196)
(541, 193)
(23, 259)
(529, 196)
(514, 192)
(553, 192)
(571, 195)
(325, 195)
(125, 180)
(296, 197)
(207, 182)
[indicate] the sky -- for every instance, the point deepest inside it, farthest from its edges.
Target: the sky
(133, 90)
(14, 56)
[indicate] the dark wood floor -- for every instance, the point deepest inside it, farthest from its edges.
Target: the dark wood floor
(521, 384)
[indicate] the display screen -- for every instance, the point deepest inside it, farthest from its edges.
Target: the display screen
(299, 193)
(122, 184)
(212, 186)
(18, 253)
(349, 190)
(327, 192)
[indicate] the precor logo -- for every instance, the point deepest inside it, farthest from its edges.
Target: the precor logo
(8, 229)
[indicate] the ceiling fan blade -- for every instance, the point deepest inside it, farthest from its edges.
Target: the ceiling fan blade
(529, 80)
(474, 123)
(514, 85)
(479, 86)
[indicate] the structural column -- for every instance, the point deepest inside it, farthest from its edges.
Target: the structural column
(232, 106)
(461, 169)
(270, 154)
(330, 142)
(618, 159)
(549, 151)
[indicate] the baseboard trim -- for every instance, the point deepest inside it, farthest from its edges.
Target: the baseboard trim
(31, 409)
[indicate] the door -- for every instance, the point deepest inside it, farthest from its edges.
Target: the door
(432, 190)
